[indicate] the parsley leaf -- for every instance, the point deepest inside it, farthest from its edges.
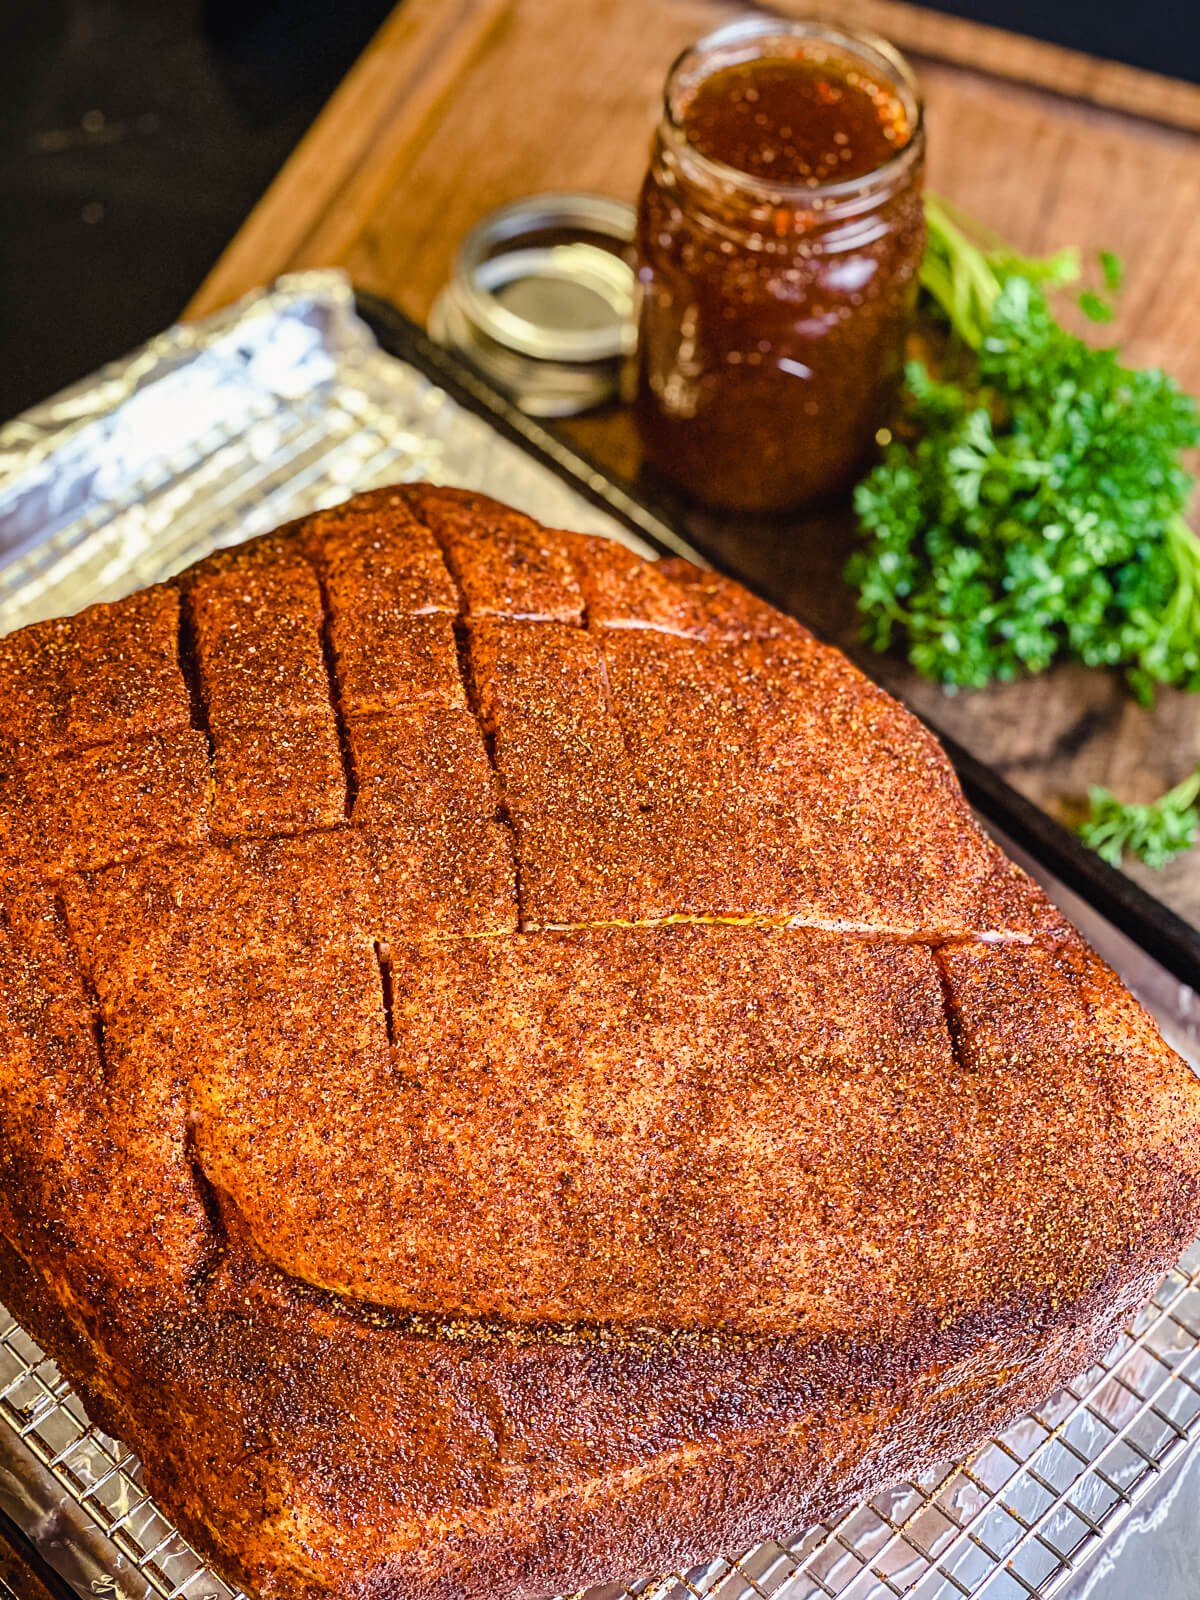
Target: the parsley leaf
(1030, 506)
(1154, 833)
(1094, 308)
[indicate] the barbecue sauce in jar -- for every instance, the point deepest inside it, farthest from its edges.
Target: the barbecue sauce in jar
(780, 234)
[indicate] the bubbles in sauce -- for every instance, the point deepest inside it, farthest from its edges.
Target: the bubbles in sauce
(807, 119)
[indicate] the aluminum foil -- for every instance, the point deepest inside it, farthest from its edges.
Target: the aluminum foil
(217, 431)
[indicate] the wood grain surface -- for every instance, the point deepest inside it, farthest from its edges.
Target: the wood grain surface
(460, 105)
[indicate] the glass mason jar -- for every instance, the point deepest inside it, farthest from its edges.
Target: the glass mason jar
(773, 312)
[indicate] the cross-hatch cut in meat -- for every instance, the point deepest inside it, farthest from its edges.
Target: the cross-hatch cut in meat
(519, 1067)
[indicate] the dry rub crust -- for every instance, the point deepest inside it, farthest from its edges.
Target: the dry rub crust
(518, 1067)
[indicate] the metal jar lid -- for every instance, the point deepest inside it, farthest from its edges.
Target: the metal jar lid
(542, 301)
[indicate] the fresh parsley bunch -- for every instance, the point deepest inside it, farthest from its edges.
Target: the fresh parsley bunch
(1030, 505)
(1154, 833)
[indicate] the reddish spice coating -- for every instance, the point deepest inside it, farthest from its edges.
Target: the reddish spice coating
(620, 590)
(420, 764)
(443, 876)
(377, 560)
(395, 661)
(82, 809)
(424, 1250)
(584, 849)
(506, 564)
(111, 672)
(785, 1126)
(281, 777)
(258, 643)
(730, 612)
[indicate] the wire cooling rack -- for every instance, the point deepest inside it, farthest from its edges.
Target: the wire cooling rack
(215, 433)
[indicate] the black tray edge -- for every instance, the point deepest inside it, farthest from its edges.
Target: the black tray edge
(1159, 931)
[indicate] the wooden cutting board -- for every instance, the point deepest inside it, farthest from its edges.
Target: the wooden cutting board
(460, 105)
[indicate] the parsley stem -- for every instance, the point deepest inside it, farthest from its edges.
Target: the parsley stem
(964, 271)
(1184, 794)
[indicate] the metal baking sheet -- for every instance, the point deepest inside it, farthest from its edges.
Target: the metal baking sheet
(221, 430)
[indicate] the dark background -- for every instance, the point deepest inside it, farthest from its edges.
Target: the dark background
(135, 135)
(1162, 35)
